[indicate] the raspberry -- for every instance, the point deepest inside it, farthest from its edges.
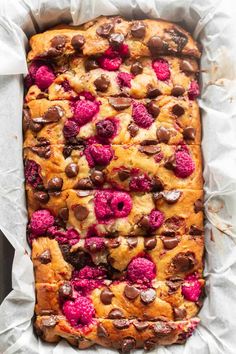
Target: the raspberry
(124, 79)
(90, 273)
(110, 64)
(106, 128)
(103, 209)
(66, 85)
(94, 244)
(40, 221)
(79, 312)
(33, 68)
(85, 286)
(32, 173)
(44, 77)
(98, 155)
(141, 116)
(161, 68)
(158, 157)
(194, 90)
(121, 204)
(70, 129)
(156, 219)
(191, 289)
(122, 50)
(87, 95)
(184, 164)
(141, 270)
(70, 236)
(84, 111)
(141, 183)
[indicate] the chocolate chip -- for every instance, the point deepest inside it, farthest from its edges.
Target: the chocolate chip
(170, 164)
(174, 223)
(149, 149)
(119, 103)
(198, 206)
(132, 242)
(106, 297)
(42, 197)
(45, 257)
(121, 323)
(84, 183)
(177, 91)
(105, 30)
(42, 151)
(155, 45)
(138, 29)
(63, 213)
(172, 196)
(153, 108)
(84, 193)
(91, 64)
(149, 344)
(26, 119)
(114, 243)
(98, 177)
(179, 38)
(133, 129)
(52, 115)
(65, 290)
(55, 184)
(157, 185)
(153, 92)
(170, 242)
(128, 344)
(78, 259)
(101, 331)
(195, 231)
(140, 325)
(49, 322)
(116, 39)
(177, 110)
(115, 314)
(102, 83)
(184, 261)
(144, 222)
(189, 133)
(77, 42)
(131, 292)
(80, 212)
(174, 283)
(58, 42)
(179, 314)
(163, 135)
(148, 296)
(186, 66)
(35, 127)
(136, 68)
(123, 174)
(148, 142)
(71, 170)
(162, 329)
(150, 243)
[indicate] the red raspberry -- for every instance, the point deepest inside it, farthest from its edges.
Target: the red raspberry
(90, 273)
(161, 68)
(158, 157)
(110, 64)
(44, 77)
(141, 270)
(194, 90)
(121, 204)
(66, 86)
(40, 221)
(156, 219)
(33, 68)
(141, 183)
(98, 155)
(191, 289)
(94, 244)
(141, 116)
(110, 204)
(84, 111)
(124, 79)
(70, 236)
(70, 129)
(106, 128)
(102, 205)
(79, 312)
(184, 164)
(32, 173)
(122, 50)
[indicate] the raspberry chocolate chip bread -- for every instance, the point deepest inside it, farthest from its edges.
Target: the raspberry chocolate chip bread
(114, 182)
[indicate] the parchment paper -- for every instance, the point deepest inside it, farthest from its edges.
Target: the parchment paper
(213, 24)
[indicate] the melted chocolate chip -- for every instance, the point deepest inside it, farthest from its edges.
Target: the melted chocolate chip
(177, 110)
(42, 197)
(42, 151)
(65, 290)
(148, 142)
(184, 261)
(157, 185)
(150, 243)
(116, 39)
(131, 292)
(78, 259)
(140, 325)
(119, 103)
(35, 127)
(115, 314)
(133, 129)
(148, 296)
(138, 29)
(174, 283)
(98, 177)
(121, 323)
(195, 231)
(105, 30)
(170, 164)
(149, 344)
(101, 331)
(77, 42)
(80, 212)
(144, 222)
(63, 213)
(106, 297)
(26, 119)
(172, 196)
(55, 184)
(149, 149)
(198, 206)
(155, 45)
(124, 174)
(136, 68)
(102, 83)
(174, 223)
(91, 64)
(170, 242)
(49, 322)
(58, 42)
(84, 183)
(71, 170)
(52, 115)
(162, 329)
(163, 135)
(179, 314)
(45, 257)
(177, 91)
(114, 243)
(186, 66)
(132, 242)
(153, 92)
(127, 345)
(189, 133)
(179, 38)
(153, 108)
